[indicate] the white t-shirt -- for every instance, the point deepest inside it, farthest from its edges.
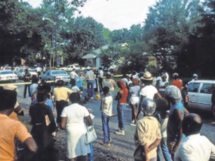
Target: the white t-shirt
(107, 105)
(101, 73)
(90, 75)
(75, 89)
(38, 69)
(148, 91)
(73, 75)
(161, 82)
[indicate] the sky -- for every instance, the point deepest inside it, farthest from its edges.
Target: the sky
(113, 14)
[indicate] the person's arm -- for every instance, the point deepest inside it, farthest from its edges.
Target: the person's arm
(89, 121)
(119, 95)
(31, 144)
(177, 114)
(63, 123)
(52, 126)
(186, 112)
(139, 109)
(114, 83)
(154, 144)
(158, 95)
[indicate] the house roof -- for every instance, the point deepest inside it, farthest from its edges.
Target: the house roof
(89, 56)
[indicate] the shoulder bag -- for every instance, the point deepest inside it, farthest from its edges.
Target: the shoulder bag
(90, 135)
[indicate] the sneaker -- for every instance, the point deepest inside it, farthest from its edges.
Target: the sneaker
(91, 98)
(117, 129)
(132, 124)
(132, 121)
(121, 132)
(106, 144)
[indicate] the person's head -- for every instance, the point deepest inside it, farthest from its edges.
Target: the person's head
(60, 83)
(191, 124)
(88, 68)
(81, 74)
(8, 100)
(185, 84)
(75, 97)
(195, 76)
(74, 70)
(35, 79)
(162, 106)
(106, 90)
(42, 97)
(134, 72)
(121, 84)
(148, 107)
(175, 76)
(147, 78)
(100, 68)
(135, 81)
(108, 76)
(172, 93)
(163, 77)
(44, 88)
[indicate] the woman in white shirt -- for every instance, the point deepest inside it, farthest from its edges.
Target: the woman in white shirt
(73, 117)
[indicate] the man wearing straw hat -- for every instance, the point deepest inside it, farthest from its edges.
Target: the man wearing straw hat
(90, 82)
(149, 91)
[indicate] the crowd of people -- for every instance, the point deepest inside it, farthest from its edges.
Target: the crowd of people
(164, 127)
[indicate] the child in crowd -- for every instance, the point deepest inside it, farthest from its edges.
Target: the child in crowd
(106, 112)
(162, 108)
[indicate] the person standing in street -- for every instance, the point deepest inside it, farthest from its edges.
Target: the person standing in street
(148, 134)
(61, 97)
(38, 69)
(121, 105)
(177, 82)
(33, 86)
(72, 76)
(194, 147)
(79, 81)
(44, 69)
(12, 129)
(27, 79)
(90, 82)
(184, 94)
(106, 108)
(101, 74)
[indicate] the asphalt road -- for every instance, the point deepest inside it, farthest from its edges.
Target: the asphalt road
(122, 147)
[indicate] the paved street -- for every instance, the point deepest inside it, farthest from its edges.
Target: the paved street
(122, 147)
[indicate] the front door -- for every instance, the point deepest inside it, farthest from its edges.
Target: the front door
(193, 89)
(204, 97)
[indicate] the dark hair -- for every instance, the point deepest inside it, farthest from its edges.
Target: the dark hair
(147, 82)
(44, 88)
(8, 99)
(100, 68)
(185, 82)
(162, 105)
(75, 97)
(176, 77)
(34, 79)
(108, 76)
(60, 83)
(41, 97)
(106, 90)
(119, 84)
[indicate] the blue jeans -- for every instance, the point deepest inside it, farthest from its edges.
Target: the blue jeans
(163, 149)
(120, 114)
(90, 157)
(105, 125)
(90, 89)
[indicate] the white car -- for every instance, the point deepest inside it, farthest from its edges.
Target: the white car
(7, 68)
(21, 73)
(200, 92)
(8, 76)
(70, 67)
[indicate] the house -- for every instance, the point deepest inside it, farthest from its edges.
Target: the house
(92, 59)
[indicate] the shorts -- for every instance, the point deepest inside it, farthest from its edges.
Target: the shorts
(134, 100)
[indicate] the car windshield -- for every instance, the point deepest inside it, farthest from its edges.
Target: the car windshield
(7, 68)
(77, 66)
(7, 72)
(59, 72)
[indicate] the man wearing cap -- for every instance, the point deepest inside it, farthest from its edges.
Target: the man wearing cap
(101, 74)
(195, 77)
(90, 82)
(149, 91)
(148, 134)
(194, 147)
(176, 115)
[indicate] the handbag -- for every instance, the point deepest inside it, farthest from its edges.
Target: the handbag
(138, 153)
(90, 136)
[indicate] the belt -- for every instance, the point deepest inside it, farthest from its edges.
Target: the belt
(38, 123)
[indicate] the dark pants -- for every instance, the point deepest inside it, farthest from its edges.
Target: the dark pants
(106, 129)
(120, 114)
(100, 84)
(72, 82)
(90, 89)
(39, 73)
(60, 106)
(27, 86)
(79, 158)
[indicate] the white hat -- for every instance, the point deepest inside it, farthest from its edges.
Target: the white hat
(10, 87)
(173, 92)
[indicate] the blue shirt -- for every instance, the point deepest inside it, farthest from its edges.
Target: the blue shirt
(33, 88)
(172, 128)
(80, 82)
(48, 102)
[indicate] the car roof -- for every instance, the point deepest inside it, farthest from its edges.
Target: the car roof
(203, 81)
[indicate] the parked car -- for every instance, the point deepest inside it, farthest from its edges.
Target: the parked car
(200, 93)
(56, 75)
(70, 67)
(8, 76)
(21, 73)
(7, 68)
(37, 65)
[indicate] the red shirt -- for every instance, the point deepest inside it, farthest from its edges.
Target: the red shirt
(177, 83)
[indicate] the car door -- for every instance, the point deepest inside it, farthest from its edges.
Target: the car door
(204, 97)
(48, 77)
(193, 89)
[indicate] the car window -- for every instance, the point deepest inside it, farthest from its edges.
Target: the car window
(31, 70)
(193, 87)
(8, 72)
(206, 88)
(59, 72)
